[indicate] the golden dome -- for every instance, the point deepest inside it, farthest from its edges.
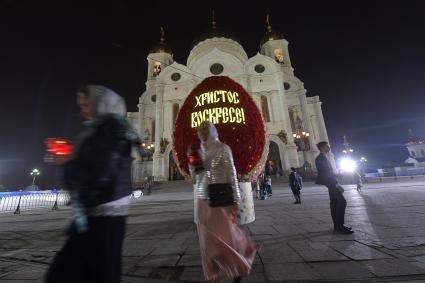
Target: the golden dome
(214, 32)
(161, 47)
(270, 33)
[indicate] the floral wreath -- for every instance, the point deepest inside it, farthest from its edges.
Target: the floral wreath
(249, 140)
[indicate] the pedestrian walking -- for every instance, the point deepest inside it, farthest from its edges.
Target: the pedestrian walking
(225, 249)
(326, 176)
(358, 180)
(269, 185)
(263, 194)
(296, 184)
(98, 176)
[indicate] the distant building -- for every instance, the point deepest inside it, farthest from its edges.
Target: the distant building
(416, 148)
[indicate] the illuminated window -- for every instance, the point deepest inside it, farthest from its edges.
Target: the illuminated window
(153, 130)
(265, 109)
(176, 108)
(278, 55)
(156, 69)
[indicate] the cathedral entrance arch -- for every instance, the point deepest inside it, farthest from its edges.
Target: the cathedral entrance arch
(274, 163)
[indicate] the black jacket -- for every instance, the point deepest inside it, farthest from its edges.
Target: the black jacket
(325, 173)
(295, 181)
(100, 168)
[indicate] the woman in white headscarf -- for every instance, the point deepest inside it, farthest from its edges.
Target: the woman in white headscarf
(225, 249)
(99, 180)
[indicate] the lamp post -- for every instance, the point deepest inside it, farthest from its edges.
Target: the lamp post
(301, 140)
(347, 148)
(147, 150)
(363, 161)
(34, 173)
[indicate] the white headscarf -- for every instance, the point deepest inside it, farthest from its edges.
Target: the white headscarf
(210, 147)
(103, 101)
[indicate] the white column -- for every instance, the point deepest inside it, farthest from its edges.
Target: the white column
(168, 116)
(307, 124)
(159, 128)
(137, 165)
(291, 148)
(321, 121)
(140, 120)
(322, 127)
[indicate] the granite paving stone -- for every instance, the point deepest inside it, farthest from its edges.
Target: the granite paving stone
(393, 267)
(298, 242)
(279, 253)
(357, 251)
(290, 271)
(342, 270)
(314, 251)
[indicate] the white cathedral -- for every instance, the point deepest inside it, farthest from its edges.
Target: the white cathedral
(294, 121)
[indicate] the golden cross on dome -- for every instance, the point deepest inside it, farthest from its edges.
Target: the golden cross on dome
(162, 38)
(213, 20)
(269, 27)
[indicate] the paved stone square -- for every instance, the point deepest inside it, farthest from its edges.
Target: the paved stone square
(298, 243)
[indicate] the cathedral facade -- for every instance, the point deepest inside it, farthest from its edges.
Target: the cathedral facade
(293, 119)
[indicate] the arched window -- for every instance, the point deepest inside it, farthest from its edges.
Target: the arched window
(153, 130)
(423, 152)
(278, 55)
(156, 69)
(265, 109)
(176, 108)
(413, 153)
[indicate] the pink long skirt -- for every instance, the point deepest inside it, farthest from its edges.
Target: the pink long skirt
(225, 249)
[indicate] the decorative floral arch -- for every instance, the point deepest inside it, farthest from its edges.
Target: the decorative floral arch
(240, 125)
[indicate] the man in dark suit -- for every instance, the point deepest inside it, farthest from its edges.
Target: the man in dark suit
(326, 177)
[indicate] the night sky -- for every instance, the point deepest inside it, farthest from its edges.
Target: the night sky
(364, 59)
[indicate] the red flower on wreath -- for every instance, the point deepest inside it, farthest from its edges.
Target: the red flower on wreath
(248, 139)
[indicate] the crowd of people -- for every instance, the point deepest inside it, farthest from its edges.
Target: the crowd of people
(98, 176)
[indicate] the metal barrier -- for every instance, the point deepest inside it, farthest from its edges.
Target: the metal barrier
(145, 186)
(21, 201)
(394, 178)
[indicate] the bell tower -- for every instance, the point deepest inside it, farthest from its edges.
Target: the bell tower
(159, 57)
(275, 46)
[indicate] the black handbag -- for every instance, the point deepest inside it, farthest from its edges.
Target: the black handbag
(220, 195)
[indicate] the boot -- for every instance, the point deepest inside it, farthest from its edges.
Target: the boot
(343, 230)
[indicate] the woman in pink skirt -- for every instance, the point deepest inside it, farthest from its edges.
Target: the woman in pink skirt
(225, 249)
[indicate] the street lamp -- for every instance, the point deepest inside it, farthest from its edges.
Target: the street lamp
(148, 149)
(363, 161)
(347, 165)
(34, 173)
(347, 149)
(301, 140)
